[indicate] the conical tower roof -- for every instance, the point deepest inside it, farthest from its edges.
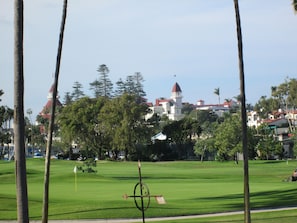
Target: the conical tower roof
(176, 88)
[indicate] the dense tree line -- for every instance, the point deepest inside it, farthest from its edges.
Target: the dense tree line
(110, 124)
(283, 96)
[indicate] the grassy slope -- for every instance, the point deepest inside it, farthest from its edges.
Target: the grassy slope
(188, 187)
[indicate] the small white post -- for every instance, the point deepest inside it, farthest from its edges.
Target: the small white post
(75, 178)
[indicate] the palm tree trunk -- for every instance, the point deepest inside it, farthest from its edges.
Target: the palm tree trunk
(247, 215)
(52, 120)
(19, 123)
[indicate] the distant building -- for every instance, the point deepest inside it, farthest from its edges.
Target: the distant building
(253, 119)
(46, 111)
(281, 124)
(218, 109)
(172, 108)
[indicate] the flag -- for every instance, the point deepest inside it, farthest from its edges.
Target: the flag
(75, 169)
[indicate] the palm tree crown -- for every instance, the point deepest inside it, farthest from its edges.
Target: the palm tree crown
(294, 3)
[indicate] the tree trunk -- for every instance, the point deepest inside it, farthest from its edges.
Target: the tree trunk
(247, 215)
(203, 152)
(19, 123)
(52, 120)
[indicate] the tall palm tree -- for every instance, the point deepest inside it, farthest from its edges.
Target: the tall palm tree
(247, 215)
(19, 122)
(52, 120)
(294, 3)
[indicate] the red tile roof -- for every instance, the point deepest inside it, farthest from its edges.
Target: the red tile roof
(176, 88)
(45, 113)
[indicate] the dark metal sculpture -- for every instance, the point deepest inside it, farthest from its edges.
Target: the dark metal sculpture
(141, 195)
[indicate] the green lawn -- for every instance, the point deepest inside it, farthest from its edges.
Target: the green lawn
(267, 217)
(189, 187)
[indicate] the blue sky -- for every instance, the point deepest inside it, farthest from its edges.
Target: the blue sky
(192, 42)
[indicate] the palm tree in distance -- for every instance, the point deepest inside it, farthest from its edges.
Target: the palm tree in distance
(217, 92)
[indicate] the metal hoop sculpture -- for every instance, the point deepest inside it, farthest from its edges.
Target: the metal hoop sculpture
(144, 193)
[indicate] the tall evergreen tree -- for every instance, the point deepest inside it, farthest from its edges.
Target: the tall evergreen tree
(67, 98)
(102, 86)
(132, 85)
(138, 79)
(96, 87)
(121, 87)
(77, 91)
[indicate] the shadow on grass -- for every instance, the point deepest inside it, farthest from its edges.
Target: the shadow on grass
(258, 219)
(6, 173)
(272, 161)
(274, 198)
(128, 178)
(267, 199)
(170, 177)
(274, 219)
(86, 211)
(3, 197)
(264, 219)
(55, 215)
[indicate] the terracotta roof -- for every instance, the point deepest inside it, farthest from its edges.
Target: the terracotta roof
(159, 101)
(45, 113)
(176, 88)
(50, 102)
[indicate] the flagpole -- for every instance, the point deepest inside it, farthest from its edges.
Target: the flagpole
(75, 178)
